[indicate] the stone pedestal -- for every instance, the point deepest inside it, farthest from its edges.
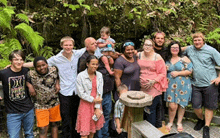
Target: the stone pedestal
(134, 102)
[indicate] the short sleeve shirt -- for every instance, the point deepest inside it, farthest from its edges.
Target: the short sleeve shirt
(130, 72)
(44, 86)
(16, 95)
(119, 109)
(204, 61)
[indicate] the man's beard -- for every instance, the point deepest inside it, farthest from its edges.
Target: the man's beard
(158, 46)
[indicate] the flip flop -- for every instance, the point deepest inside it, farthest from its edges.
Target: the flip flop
(179, 127)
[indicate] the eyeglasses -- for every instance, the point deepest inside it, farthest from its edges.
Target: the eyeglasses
(174, 47)
(128, 44)
(148, 45)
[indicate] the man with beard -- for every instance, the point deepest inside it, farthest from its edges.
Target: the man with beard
(159, 40)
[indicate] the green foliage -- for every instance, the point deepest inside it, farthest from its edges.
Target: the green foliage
(4, 2)
(30, 40)
(5, 17)
(214, 38)
(33, 38)
(22, 17)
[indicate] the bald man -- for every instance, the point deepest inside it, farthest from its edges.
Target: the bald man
(92, 49)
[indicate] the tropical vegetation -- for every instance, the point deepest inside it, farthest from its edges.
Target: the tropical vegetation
(37, 26)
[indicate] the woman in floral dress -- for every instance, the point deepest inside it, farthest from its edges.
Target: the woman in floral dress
(179, 90)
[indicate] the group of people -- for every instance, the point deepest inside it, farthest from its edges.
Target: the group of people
(76, 86)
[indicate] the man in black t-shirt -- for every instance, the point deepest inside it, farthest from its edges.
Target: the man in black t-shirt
(159, 40)
(18, 104)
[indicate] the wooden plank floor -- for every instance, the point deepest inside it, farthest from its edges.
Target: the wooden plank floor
(189, 125)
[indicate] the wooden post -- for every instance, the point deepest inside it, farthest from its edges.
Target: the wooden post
(134, 102)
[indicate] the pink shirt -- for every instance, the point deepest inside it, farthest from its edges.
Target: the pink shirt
(153, 70)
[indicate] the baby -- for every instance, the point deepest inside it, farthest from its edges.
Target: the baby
(106, 45)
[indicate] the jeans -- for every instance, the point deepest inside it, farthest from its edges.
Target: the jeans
(68, 109)
(152, 114)
(14, 121)
(106, 106)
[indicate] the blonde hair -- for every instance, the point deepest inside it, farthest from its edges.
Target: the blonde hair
(198, 34)
(105, 30)
(66, 38)
(122, 87)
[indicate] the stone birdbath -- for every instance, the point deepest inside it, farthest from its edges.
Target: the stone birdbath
(134, 102)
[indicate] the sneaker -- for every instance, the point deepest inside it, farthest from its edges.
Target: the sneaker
(199, 124)
(206, 132)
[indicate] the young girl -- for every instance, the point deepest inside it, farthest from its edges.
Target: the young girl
(90, 89)
(44, 84)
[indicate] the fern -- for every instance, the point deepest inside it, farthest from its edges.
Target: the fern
(46, 52)
(4, 2)
(5, 18)
(33, 38)
(23, 17)
(9, 46)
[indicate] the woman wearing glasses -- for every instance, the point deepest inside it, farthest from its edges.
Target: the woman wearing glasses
(153, 80)
(179, 91)
(126, 67)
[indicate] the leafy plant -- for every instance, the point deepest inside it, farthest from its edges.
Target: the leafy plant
(20, 36)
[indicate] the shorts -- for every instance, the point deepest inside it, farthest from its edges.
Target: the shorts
(45, 116)
(207, 96)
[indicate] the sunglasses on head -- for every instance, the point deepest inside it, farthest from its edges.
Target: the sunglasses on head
(128, 44)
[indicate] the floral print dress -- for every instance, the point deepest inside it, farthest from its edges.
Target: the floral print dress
(179, 88)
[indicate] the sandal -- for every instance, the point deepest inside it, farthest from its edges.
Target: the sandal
(168, 127)
(179, 127)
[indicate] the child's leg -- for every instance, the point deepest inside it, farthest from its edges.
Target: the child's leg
(111, 60)
(105, 61)
(54, 129)
(43, 132)
(91, 135)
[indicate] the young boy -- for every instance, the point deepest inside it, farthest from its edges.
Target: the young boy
(18, 104)
(106, 45)
(44, 84)
(119, 110)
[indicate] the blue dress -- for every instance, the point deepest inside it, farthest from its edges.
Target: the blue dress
(179, 88)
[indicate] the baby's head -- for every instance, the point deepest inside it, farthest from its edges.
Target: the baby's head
(122, 88)
(105, 32)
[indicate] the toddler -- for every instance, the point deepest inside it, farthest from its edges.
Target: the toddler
(106, 45)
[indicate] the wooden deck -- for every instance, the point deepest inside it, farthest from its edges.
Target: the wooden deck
(189, 125)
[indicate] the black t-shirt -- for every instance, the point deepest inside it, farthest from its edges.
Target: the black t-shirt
(162, 52)
(16, 96)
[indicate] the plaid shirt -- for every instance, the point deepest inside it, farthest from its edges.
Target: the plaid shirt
(119, 110)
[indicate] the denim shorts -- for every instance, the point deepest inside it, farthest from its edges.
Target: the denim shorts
(205, 96)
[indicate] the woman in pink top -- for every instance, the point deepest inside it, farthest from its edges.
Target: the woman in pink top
(152, 79)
